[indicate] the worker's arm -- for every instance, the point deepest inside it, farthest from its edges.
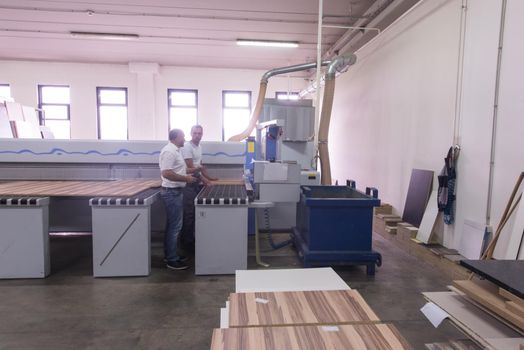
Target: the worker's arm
(171, 175)
(206, 175)
(190, 167)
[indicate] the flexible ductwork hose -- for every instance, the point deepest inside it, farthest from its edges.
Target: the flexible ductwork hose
(254, 116)
(323, 131)
(262, 94)
(338, 65)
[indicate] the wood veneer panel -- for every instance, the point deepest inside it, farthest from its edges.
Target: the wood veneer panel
(347, 337)
(116, 188)
(299, 308)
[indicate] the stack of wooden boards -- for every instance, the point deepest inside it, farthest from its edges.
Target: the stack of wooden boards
(501, 290)
(489, 307)
(17, 121)
(335, 319)
(403, 235)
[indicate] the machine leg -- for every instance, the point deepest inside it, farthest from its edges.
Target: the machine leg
(370, 269)
(257, 244)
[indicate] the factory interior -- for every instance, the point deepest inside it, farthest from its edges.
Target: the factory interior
(328, 174)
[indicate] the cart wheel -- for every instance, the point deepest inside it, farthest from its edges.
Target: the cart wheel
(379, 261)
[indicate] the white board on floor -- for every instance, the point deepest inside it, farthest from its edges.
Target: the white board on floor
(471, 239)
(469, 317)
(288, 280)
(428, 220)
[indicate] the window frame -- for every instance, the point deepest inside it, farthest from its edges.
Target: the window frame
(169, 105)
(249, 108)
(99, 104)
(41, 112)
(287, 93)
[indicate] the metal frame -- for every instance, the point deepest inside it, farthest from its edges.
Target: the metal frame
(169, 105)
(98, 105)
(41, 113)
(224, 92)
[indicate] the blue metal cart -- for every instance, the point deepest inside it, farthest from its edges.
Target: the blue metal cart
(334, 226)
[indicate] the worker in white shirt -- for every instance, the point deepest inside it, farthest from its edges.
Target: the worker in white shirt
(192, 153)
(174, 174)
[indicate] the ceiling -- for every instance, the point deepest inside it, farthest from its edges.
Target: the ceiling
(187, 32)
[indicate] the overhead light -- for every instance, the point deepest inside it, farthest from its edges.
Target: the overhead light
(266, 43)
(104, 36)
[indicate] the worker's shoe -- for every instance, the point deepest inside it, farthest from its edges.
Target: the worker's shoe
(180, 258)
(177, 265)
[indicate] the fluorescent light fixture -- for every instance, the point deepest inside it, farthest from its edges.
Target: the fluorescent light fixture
(266, 43)
(104, 36)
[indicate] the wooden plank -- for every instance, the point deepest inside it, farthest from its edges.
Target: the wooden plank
(489, 300)
(515, 308)
(299, 308)
(372, 337)
(510, 296)
(116, 188)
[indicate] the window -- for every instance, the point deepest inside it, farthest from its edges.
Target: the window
(5, 92)
(281, 95)
(112, 113)
(54, 101)
(183, 109)
(236, 110)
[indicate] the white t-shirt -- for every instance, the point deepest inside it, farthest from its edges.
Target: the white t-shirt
(191, 151)
(170, 158)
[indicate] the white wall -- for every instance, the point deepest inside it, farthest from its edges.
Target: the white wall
(395, 109)
(83, 79)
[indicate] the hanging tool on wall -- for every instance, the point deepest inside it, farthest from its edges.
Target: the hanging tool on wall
(446, 184)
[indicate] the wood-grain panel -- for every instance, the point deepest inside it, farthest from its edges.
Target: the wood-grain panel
(299, 308)
(115, 188)
(343, 337)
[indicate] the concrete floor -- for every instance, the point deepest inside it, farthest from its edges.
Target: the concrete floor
(178, 310)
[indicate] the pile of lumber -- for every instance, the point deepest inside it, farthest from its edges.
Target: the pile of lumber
(497, 301)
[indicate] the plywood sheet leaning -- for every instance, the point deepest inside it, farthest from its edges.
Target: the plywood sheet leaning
(299, 308)
(24, 130)
(491, 300)
(471, 239)
(419, 190)
(5, 127)
(14, 111)
(348, 337)
(428, 219)
(31, 117)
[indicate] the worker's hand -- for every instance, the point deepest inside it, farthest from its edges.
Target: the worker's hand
(190, 179)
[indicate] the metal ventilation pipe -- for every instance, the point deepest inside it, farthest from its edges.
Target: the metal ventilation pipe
(338, 65)
(262, 94)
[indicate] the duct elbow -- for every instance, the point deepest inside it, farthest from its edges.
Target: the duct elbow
(340, 65)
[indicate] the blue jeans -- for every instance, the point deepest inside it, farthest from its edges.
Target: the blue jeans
(173, 202)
